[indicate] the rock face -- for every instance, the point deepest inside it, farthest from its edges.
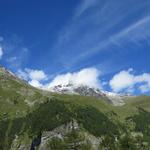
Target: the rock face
(59, 132)
(112, 98)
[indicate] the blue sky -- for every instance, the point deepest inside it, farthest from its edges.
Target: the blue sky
(57, 37)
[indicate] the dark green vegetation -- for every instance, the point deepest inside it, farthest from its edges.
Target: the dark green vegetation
(27, 112)
(73, 140)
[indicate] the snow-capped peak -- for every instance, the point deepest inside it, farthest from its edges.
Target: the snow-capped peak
(113, 98)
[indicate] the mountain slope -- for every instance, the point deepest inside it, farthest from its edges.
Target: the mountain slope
(29, 115)
(83, 90)
(16, 95)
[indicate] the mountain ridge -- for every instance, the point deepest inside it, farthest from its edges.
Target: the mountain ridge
(31, 118)
(84, 90)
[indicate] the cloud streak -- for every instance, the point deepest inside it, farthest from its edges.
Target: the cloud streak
(85, 5)
(1, 52)
(16, 54)
(94, 31)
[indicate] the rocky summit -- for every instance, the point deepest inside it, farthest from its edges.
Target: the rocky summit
(83, 90)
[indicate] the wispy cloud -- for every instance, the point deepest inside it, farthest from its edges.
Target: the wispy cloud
(133, 33)
(85, 5)
(17, 59)
(1, 38)
(1, 52)
(11, 59)
(16, 53)
(1, 48)
(101, 25)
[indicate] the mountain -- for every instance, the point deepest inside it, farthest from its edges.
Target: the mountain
(31, 118)
(83, 90)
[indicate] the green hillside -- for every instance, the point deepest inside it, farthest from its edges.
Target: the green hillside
(27, 112)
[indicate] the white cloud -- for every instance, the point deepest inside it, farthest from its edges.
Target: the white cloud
(34, 77)
(88, 76)
(36, 74)
(126, 80)
(121, 81)
(1, 52)
(36, 83)
(145, 78)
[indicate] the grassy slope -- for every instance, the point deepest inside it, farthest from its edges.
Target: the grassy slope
(14, 95)
(129, 109)
(132, 106)
(96, 116)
